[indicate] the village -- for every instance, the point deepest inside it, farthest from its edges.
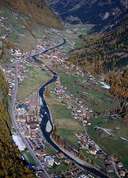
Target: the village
(29, 123)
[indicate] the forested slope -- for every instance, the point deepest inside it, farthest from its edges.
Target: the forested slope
(103, 52)
(101, 13)
(107, 54)
(11, 166)
(36, 10)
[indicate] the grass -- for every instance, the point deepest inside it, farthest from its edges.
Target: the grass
(66, 126)
(19, 36)
(98, 100)
(118, 128)
(34, 77)
(112, 145)
(69, 81)
(57, 169)
(60, 111)
(91, 158)
(28, 157)
(13, 22)
(78, 42)
(68, 134)
(50, 150)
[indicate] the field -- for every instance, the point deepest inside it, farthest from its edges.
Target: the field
(58, 169)
(66, 126)
(50, 150)
(34, 77)
(18, 35)
(93, 95)
(111, 144)
(28, 157)
(99, 100)
(23, 31)
(96, 98)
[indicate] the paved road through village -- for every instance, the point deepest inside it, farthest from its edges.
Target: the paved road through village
(46, 124)
(47, 128)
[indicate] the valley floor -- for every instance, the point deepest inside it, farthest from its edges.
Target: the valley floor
(78, 103)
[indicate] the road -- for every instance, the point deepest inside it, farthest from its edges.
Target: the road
(47, 128)
(13, 114)
(107, 131)
(36, 54)
(115, 168)
(15, 125)
(47, 124)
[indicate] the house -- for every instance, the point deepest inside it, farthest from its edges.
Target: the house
(49, 161)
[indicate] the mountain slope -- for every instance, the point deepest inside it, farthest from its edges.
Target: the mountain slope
(11, 166)
(101, 13)
(37, 11)
(103, 51)
(107, 54)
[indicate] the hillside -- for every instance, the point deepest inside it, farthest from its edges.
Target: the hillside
(37, 11)
(105, 56)
(101, 13)
(106, 53)
(103, 51)
(11, 165)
